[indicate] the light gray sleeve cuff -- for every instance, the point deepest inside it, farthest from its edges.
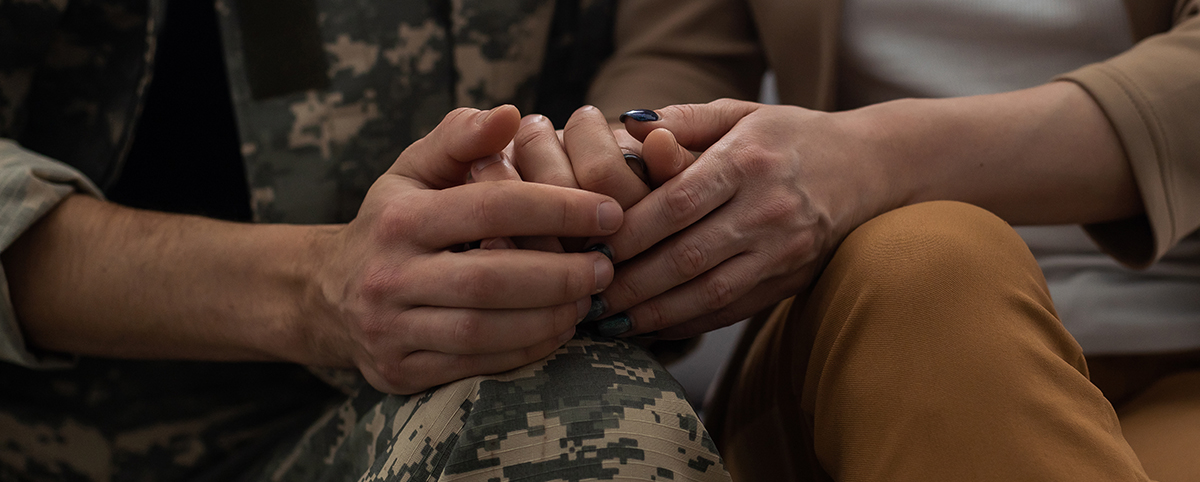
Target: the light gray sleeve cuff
(30, 186)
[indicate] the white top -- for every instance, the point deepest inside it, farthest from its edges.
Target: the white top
(945, 48)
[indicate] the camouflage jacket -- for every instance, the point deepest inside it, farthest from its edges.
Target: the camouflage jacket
(327, 93)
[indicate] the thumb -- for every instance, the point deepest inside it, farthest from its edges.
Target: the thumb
(664, 157)
(443, 158)
(695, 126)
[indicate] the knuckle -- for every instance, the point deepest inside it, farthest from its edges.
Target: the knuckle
(394, 222)
(600, 176)
(563, 318)
(576, 284)
(490, 207)
(534, 136)
(774, 210)
(469, 331)
(688, 258)
(379, 280)
(651, 317)
(477, 282)
(456, 113)
(683, 201)
(753, 159)
(688, 112)
(392, 373)
(718, 293)
(628, 290)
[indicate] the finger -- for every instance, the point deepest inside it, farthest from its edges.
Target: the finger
(768, 293)
(430, 368)
(696, 126)
(503, 208)
(675, 261)
(753, 302)
(632, 149)
(470, 331)
(679, 203)
(539, 153)
(664, 157)
(704, 295)
(496, 167)
(597, 159)
(493, 279)
(440, 159)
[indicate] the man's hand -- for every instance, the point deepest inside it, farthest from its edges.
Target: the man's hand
(412, 312)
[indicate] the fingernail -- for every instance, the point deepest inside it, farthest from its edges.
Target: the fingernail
(640, 115)
(483, 117)
(531, 119)
(614, 325)
(498, 243)
(602, 249)
(482, 164)
(604, 273)
(583, 309)
(566, 336)
(596, 308)
(609, 213)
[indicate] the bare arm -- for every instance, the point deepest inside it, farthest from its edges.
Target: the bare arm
(96, 278)
(385, 293)
(778, 187)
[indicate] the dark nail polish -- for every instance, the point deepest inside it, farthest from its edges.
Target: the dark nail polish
(602, 249)
(614, 325)
(598, 308)
(640, 115)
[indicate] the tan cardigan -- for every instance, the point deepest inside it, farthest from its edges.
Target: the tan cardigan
(700, 50)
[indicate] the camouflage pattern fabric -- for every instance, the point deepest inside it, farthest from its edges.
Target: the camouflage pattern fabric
(30, 186)
(72, 77)
(395, 69)
(596, 409)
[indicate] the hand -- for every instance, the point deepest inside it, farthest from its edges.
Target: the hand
(409, 311)
(749, 223)
(588, 154)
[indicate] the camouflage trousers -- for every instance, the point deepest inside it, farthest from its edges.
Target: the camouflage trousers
(597, 409)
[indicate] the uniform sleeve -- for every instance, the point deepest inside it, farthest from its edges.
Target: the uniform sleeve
(1151, 94)
(678, 53)
(30, 186)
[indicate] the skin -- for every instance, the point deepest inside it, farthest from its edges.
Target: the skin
(756, 216)
(387, 293)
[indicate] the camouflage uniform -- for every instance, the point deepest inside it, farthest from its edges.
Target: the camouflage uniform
(73, 74)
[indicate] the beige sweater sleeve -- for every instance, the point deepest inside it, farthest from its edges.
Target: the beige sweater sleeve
(679, 53)
(1151, 94)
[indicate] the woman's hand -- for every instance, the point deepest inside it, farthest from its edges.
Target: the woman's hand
(777, 188)
(412, 312)
(748, 224)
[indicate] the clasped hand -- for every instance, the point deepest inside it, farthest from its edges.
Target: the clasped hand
(748, 223)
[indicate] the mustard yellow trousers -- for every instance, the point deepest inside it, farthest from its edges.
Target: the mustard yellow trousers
(929, 350)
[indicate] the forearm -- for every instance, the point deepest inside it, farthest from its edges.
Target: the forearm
(99, 279)
(1045, 155)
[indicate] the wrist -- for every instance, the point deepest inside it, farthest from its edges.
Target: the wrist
(307, 328)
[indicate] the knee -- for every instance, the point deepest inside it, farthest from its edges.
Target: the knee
(942, 245)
